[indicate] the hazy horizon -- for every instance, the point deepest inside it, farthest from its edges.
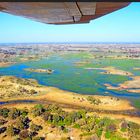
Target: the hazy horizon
(70, 43)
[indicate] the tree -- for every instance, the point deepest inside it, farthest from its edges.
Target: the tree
(24, 134)
(38, 110)
(35, 127)
(14, 113)
(32, 92)
(46, 116)
(19, 123)
(54, 109)
(4, 112)
(124, 126)
(24, 112)
(56, 118)
(2, 129)
(2, 121)
(26, 122)
(82, 113)
(111, 128)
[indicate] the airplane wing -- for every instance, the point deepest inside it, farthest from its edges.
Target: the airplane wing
(61, 12)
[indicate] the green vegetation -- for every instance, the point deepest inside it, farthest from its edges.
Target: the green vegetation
(56, 118)
(94, 101)
(75, 77)
(35, 127)
(38, 110)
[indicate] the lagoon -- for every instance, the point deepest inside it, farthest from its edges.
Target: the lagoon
(68, 76)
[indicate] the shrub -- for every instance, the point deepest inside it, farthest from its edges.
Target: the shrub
(46, 116)
(14, 113)
(19, 123)
(68, 120)
(76, 125)
(108, 135)
(16, 131)
(133, 125)
(32, 134)
(86, 128)
(35, 127)
(4, 112)
(32, 92)
(24, 134)
(92, 100)
(62, 127)
(83, 113)
(38, 110)
(124, 126)
(54, 108)
(26, 122)
(24, 112)
(2, 129)
(99, 132)
(65, 130)
(56, 118)
(2, 121)
(111, 128)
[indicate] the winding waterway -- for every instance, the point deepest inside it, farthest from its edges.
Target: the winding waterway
(74, 78)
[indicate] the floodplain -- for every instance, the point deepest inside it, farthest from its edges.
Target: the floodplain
(102, 80)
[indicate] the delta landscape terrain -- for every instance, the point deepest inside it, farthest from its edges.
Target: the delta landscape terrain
(70, 91)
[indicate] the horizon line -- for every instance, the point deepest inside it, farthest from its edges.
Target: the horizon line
(69, 42)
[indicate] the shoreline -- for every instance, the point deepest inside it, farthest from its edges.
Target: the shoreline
(130, 85)
(6, 64)
(59, 96)
(111, 106)
(111, 70)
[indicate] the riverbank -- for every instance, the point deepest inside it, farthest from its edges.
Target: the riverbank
(112, 70)
(102, 105)
(13, 88)
(6, 64)
(130, 86)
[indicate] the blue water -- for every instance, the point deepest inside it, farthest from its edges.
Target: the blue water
(69, 77)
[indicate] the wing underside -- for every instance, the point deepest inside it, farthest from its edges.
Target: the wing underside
(61, 12)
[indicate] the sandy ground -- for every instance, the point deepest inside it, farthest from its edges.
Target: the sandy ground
(69, 100)
(11, 86)
(56, 95)
(112, 70)
(136, 68)
(81, 63)
(49, 71)
(131, 85)
(5, 64)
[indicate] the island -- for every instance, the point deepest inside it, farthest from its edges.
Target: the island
(130, 85)
(112, 70)
(49, 71)
(136, 68)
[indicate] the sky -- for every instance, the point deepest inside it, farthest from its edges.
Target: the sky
(120, 26)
